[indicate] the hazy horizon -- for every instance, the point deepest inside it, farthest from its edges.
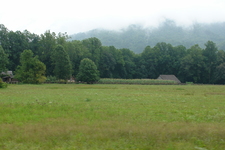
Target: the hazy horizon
(81, 16)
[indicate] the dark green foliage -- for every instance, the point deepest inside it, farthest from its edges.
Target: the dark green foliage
(18, 43)
(61, 63)
(130, 66)
(31, 70)
(192, 65)
(93, 45)
(107, 63)
(219, 75)
(3, 60)
(162, 59)
(87, 71)
(118, 71)
(47, 44)
(14, 43)
(3, 84)
(51, 79)
(164, 55)
(150, 62)
(62, 39)
(76, 51)
(210, 60)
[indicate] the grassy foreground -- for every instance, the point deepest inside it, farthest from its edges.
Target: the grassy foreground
(136, 117)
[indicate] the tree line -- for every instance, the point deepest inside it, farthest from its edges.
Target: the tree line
(62, 58)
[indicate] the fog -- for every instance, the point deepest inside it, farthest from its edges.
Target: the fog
(79, 16)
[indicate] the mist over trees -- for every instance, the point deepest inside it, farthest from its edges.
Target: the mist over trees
(61, 57)
(137, 37)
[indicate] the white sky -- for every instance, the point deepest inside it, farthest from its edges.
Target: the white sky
(73, 16)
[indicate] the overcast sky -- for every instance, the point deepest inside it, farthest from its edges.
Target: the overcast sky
(73, 16)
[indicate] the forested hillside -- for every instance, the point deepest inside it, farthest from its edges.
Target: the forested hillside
(136, 37)
(53, 55)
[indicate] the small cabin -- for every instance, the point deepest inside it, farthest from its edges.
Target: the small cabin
(7, 76)
(169, 77)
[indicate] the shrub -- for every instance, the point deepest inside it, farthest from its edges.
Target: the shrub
(51, 79)
(189, 83)
(3, 84)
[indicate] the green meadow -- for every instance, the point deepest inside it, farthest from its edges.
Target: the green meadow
(112, 117)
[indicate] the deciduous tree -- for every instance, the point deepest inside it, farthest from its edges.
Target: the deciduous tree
(31, 70)
(18, 43)
(76, 51)
(3, 60)
(210, 59)
(47, 44)
(219, 75)
(93, 45)
(88, 71)
(61, 63)
(107, 63)
(193, 65)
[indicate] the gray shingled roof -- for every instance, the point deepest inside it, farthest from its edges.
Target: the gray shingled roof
(169, 77)
(8, 74)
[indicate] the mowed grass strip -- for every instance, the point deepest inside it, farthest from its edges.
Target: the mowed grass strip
(78, 116)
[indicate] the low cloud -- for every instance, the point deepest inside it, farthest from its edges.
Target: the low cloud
(73, 17)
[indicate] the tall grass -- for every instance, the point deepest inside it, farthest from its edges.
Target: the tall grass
(77, 116)
(134, 81)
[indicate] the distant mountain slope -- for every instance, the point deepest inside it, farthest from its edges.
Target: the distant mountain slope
(136, 38)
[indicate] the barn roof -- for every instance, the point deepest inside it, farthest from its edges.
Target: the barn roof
(8, 74)
(169, 77)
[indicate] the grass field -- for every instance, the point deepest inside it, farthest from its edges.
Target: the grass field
(112, 117)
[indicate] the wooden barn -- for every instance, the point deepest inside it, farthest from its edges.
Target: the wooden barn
(7, 76)
(169, 77)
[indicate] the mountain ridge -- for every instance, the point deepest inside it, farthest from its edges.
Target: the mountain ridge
(136, 37)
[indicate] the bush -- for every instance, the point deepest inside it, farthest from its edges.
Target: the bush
(3, 84)
(51, 79)
(189, 83)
